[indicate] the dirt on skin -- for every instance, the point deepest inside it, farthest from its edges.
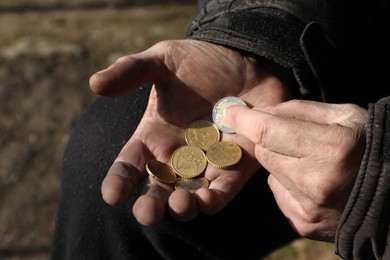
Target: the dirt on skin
(48, 50)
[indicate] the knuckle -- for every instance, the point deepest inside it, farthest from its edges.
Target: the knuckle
(260, 137)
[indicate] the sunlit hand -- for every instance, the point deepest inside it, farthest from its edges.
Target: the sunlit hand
(189, 77)
(313, 151)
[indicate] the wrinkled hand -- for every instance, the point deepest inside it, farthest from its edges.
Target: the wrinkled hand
(189, 77)
(313, 151)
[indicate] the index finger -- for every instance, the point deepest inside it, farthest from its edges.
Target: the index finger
(319, 112)
(282, 135)
(129, 72)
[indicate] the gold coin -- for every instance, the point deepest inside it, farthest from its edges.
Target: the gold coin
(224, 155)
(189, 161)
(202, 134)
(161, 171)
(191, 184)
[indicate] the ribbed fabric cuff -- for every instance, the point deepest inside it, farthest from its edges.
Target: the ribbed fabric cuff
(364, 227)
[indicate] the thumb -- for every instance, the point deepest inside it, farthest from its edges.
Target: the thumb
(248, 122)
(282, 135)
(129, 73)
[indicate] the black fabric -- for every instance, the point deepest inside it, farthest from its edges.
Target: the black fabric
(386, 138)
(363, 231)
(249, 227)
(325, 63)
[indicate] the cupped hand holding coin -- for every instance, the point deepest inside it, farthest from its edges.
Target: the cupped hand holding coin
(188, 78)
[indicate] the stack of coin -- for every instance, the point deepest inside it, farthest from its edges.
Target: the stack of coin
(203, 147)
(203, 135)
(166, 174)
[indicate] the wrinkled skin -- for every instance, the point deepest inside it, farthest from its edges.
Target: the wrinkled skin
(188, 78)
(313, 151)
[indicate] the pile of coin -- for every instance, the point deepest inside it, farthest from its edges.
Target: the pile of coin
(203, 147)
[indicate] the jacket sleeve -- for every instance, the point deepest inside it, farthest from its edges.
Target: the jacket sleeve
(270, 29)
(304, 36)
(363, 231)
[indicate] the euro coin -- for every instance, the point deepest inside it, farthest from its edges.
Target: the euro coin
(218, 112)
(161, 171)
(189, 161)
(202, 134)
(224, 155)
(191, 184)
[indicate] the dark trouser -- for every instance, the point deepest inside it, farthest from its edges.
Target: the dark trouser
(87, 228)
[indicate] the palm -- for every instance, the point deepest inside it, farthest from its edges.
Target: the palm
(189, 77)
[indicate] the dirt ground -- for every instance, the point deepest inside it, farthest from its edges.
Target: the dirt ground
(48, 50)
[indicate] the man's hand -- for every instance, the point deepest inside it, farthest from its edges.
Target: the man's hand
(188, 78)
(313, 151)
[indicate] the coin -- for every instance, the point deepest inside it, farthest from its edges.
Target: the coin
(191, 184)
(224, 155)
(189, 161)
(202, 134)
(161, 171)
(218, 111)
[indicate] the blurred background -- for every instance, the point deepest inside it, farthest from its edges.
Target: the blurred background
(48, 50)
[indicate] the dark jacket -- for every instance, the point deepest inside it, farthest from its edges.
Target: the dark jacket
(335, 51)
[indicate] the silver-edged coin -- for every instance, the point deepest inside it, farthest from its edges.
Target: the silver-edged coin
(218, 112)
(191, 184)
